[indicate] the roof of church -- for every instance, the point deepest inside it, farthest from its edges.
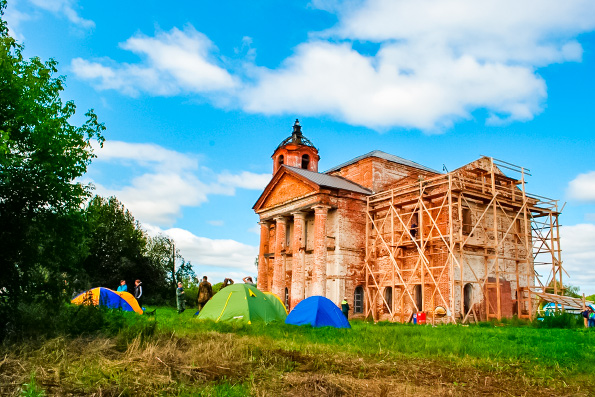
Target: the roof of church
(335, 182)
(296, 137)
(385, 156)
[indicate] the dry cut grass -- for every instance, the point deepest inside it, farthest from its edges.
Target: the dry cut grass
(230, 364)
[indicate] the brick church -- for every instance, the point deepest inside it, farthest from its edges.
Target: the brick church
(395, 237)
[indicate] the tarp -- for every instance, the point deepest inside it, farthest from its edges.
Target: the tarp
(566, 301)
(242, 303)
(275, 300)
(108, 298)
(317, 311)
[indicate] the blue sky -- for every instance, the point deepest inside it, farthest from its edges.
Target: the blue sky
(196, 95)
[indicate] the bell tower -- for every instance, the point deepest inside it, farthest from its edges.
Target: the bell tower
(296, 151)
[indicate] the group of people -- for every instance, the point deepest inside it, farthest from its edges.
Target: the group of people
(137, 292)
(205, 292)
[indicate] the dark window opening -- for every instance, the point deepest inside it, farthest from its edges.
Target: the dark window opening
(358, 300)
(414, 226)
(468, 297)
(280, 160)
(418, 298)
(286, 298)
(467, 227)
(305, 161)
(388, 297)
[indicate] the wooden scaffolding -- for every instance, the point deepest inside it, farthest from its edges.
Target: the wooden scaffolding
(466, 243)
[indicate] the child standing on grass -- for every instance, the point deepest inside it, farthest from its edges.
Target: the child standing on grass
(138, 292)
(122, 287)
(180, 298)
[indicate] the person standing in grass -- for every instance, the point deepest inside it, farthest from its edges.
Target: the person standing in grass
(591, 318)
(138, 292)
(180, 298)
(205, 292)
(345, 308)
(122, 287)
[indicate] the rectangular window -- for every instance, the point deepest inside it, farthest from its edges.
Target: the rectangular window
(467, 226)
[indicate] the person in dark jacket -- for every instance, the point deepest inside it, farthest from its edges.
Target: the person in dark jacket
(138, 292)
(205, 292)
(345, 308)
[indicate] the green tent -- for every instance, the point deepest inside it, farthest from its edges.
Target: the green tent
(275, 300)
(243, 303)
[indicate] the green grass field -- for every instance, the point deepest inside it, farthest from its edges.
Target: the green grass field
(171, 354)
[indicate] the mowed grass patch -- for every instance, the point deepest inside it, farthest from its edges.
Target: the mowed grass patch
(171, 354)
(537, 357)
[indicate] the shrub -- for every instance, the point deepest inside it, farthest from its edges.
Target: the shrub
(560, 320)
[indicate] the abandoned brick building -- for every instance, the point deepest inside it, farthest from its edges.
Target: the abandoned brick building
(395, 237)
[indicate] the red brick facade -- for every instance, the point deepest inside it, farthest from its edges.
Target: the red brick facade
(313, 238)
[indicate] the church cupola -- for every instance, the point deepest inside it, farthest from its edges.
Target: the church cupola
(296, 151)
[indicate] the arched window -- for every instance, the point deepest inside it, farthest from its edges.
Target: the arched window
(358, 300)
(467, 297)
(418, 297)
(388, 297)
(280, 160)
(305, 161)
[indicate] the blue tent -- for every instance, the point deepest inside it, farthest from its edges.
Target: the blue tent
(109, 298)
(317, 311)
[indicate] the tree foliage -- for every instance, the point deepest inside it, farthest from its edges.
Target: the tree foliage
(41, 155)
(115, 243)
(119, 249)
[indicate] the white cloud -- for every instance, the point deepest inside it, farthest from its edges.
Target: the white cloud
(65, 7)
(537, 32)
(438, 61)
(578, 256)
(428, 63)
(163, 181)
(174, 62)
(582, 187)
(245, 180)
(216, 255)
(402, 85)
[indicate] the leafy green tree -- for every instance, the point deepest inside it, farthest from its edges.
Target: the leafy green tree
(118, 248)
(185, 273)
(572, 291)
(41, 155)
(116, 245)
(162, 253)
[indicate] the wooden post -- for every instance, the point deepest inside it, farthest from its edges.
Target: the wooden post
(392, 239)
(496, 254)
(367, 260)
(528, 246)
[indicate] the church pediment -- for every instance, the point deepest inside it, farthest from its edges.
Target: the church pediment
(288, 188)
(284, 187)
